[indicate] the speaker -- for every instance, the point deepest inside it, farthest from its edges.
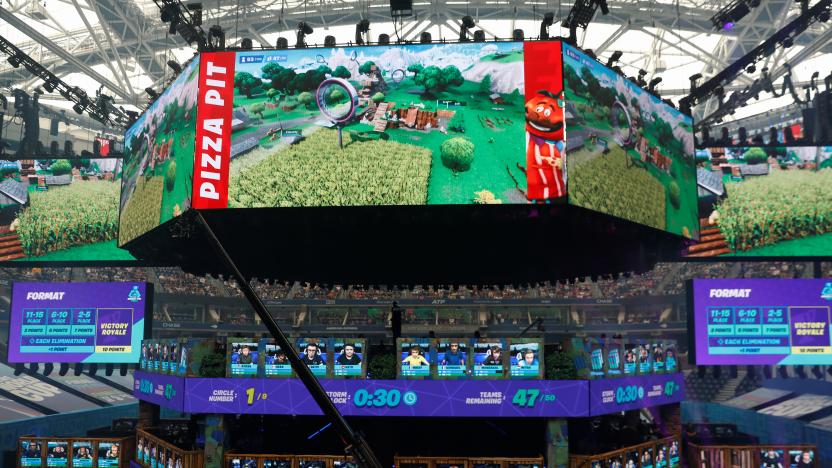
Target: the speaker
(383, 39)
(479, 35)
(53, 127)
(329, 41)
(401, 4)
(282, 43)
(425, 38)
(518, 35)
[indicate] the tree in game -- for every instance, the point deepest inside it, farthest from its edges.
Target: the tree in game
(280, 77)
(341, 72)
(675, 194)
(310, 80)
(485, 84)
(366, 68)
(457, 154)
(755, 156)
(258, 108)
(246, 83)
(170, 176)
(61, 167)
(335, 96)
(170, 116)
(435, 79)
(416, 68)
(378, 97)
(273, 95)
(306, 99)
(457, 122)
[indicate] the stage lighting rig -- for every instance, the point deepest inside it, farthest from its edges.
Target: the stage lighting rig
(216, 38)
(282, 43)
(467, 23)
(425, 38)
(174, 65)
(581, 15)
(246, 44)
(653, 83)
(362, 32)
(329, 41)
(548, 20)
(615, 57)
(185, 20)
(733, 12)
(304, 29)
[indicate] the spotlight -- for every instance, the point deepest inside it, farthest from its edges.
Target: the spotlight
(79, 108)
(518, 35)
(151, 92)
(15, 61)
(383, 39)
(48, 368)
(616, 56)
(591, 54)
(653, 83)
(329, 41)
(788, 42)
(548, 20)
(479, 35)
(751, 68)
(50, 85)
(425, 38)
(467, 23)
(362, 28)
(170, 14)
(282, 43)
(174, 65)
(246, 44)
(64, 366)
(823, 16)
(303, 30)
(733, 12)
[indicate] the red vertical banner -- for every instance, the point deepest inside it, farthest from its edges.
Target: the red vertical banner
(545, 122)
(212, 152)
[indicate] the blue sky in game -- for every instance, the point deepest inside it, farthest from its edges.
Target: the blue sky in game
(648, 102)
(466, 57)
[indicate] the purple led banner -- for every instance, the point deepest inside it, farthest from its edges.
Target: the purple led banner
(762, 321)
(161, 389)
(77, 322)
(428, 398)
(612, 395)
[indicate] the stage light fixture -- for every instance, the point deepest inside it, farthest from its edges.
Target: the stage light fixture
(767, 372)
(653, 83)
(15, 61)
(467, 23)
(49, 85)
(548, 20)
(751, 68)
(783, 372)
(728, 16)
(329, 41)
(151, 92)
(800, 372)
(479, 35)
(817, 372)
(518, 35)
(383, 39)
(246, 44)
(304, 29)
(362, 29)
(425, 38)
(282, 43)
(788, 42)
(174, 65)
(79, 108)
(34, 367)
(170, 14)
(616, 56)
(823, 16)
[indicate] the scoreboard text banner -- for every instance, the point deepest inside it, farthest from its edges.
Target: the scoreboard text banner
(613, 395)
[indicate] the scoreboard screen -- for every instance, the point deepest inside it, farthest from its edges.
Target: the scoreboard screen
(762, 321)
(78, 322)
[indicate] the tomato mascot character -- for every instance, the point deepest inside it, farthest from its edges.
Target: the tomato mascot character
(544, 161)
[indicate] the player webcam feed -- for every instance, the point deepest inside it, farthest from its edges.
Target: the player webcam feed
(645, 360)
(56, 453)
(313, 353)
(173, 363)
(661, 456)
(670, 362)
(598, 464)
(277, 463)
(242, 463)
(177, 461)
(82, 453)
(451, 358)
(658, 358)
(182, 365)
(275, 361)
(795, 181)
(31, 453)
(153, 460)
(489, 358)
(165, 358)
(349, 358)
(163, 458)
(168, 458)
(802, 458)
(143, 359)
(157, 355)
(629, 154)
(616, 462)
(415, 357)
(311, 463)
(673, 454)
(243, 356)
(108, 454)
(772, 458)
(631, 351)
(140, 445)
(632, 459)
(526, 357)
(647, 458)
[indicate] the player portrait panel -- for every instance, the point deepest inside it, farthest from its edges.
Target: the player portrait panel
(109, 454)
(313, 353)
(243, 355)
(350, 359)
(414, 357)
(489, 358)
(82, 453)
(275, 360)
(452, 358)
(526, 358)
(31, 453)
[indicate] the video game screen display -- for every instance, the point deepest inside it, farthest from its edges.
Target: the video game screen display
(415, 357)
(629, 154)
(108, 454)
(647, 458)
(645, 358)
(242, 463)
(159, 159)
(526, 358)
(31, 453)
(489, 358)
(181, 366)
(78, 322)
(275, 361)
(311, 463)
(313, 353)
(57, 453)
(633, 458)
(452, 358)
(140, 445)
(614, 361)
(772, 458)
(598, 464)
(661, 456)
(242, 357)
(674, 454)
(82, 453)
(616, 462)
(277, 463)
(58, 210)
(596, 359)
(177, 461)
(658, 357)
(164, 359)
(350, 360)
(802, 458)
(154, 456)
(671, 363)
(796, 182)
(631, 355)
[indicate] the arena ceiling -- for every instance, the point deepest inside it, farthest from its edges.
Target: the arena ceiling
(123, 44)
